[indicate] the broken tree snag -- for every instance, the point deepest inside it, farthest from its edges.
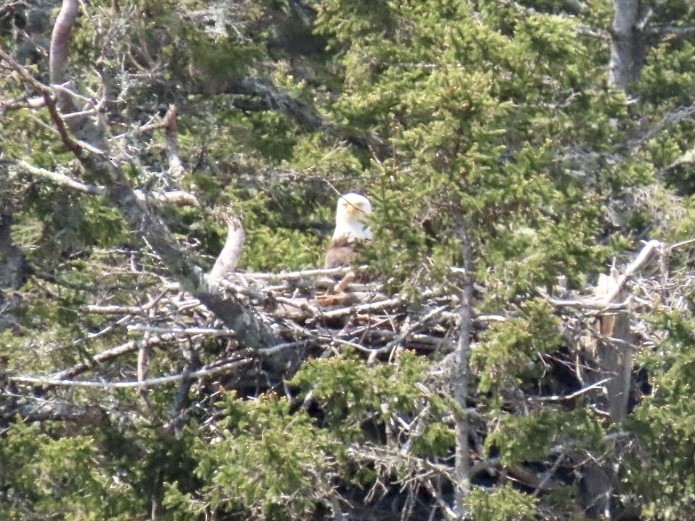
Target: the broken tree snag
(611, 340)
(614, 346)
(231, 252)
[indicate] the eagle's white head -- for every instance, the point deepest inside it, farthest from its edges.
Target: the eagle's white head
(351, 218)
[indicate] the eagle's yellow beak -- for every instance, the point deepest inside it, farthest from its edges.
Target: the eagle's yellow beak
(353, 209)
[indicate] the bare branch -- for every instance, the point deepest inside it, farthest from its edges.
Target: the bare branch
(571, 396)
(59, 179)
(301, 275)
(671, 118)
(60, 46)
(128, 347)
(182, 331)
(405, 334)
(231, 252)
(665, 30)
(365, 308)
(152, 382)
(644, 256)
(48, 410)
(25, 75)
(177, 197)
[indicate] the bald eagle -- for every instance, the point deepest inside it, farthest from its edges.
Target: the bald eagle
(350, 230)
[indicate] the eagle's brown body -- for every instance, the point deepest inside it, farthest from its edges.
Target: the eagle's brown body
(341, 252)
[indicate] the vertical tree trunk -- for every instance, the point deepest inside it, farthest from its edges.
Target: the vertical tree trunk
(616, 358)
(614, 346)
(460, 379)
(460, 392)
(627, 44)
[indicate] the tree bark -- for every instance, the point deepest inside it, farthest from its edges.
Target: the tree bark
(460, 380)
(615, 348)
(60, 47)
(627, 44)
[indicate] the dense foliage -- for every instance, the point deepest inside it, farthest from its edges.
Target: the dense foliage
(498, 156)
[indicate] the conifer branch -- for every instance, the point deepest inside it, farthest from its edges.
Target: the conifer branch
(250, 330)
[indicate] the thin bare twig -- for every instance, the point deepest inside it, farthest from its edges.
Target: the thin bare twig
(579, 392)
(152, 382)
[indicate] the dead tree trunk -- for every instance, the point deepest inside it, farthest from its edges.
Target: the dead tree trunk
(627, 43)
(615, 346)
(460, 379)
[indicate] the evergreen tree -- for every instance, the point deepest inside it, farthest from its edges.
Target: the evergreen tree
(512, 151)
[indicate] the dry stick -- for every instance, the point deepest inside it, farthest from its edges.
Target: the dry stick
(52, 382)
(558, 397)
(128, 347)
(178, 331)
(362, 308)
(176, 197)
(24, 74)
(589, 303)
(147, 127)
(143, 366)
(605, 303)
(380, 454)
(300, 275)
(644, 256)
(146, 342)
(549, 474)
(22, 103)
(114, 310)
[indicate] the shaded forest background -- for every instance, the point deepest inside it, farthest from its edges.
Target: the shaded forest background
(521, 346)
